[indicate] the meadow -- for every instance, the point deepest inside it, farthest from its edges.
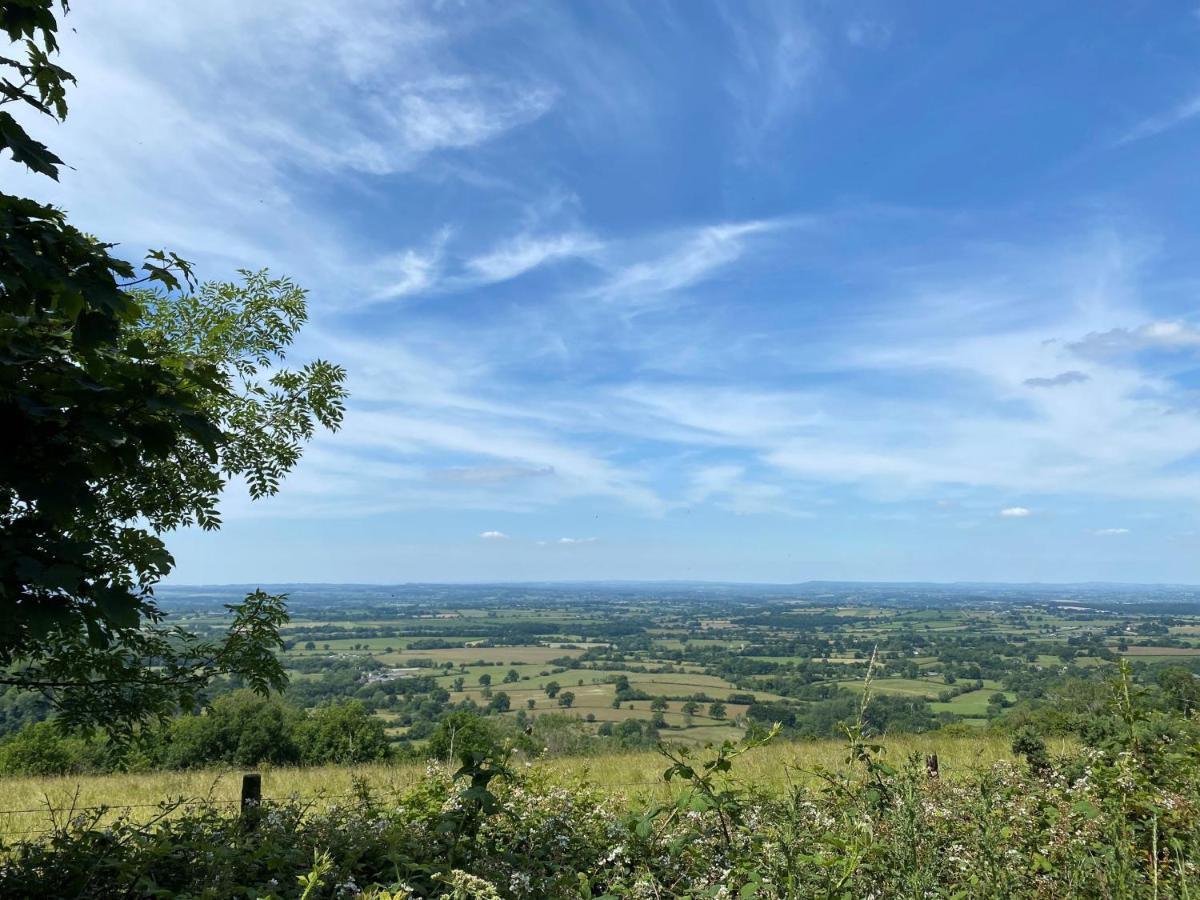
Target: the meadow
(31, 805)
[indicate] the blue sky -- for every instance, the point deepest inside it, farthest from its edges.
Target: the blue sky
(747, 291)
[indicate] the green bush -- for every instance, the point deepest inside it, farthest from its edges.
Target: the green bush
(41, 749)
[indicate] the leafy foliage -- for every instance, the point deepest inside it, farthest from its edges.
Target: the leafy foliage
(126, 411)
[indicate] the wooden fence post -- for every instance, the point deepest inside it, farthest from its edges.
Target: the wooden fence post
(251, 799)
(931, 765)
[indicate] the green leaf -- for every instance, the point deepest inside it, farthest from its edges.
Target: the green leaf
(1085, 809)
(24, 149)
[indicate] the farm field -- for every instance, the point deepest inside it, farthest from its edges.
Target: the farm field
(632, 667)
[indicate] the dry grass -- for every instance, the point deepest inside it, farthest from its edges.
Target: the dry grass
(628, 775)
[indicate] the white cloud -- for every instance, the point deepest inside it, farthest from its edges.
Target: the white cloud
(288, 98)
(869, 34)
(779, 56)
(460, 114)
(493, 535)
(1150, 336)
(524, 253)
(408, 271)
(907, 384)
(729, 487)
(490, 474)
(1014, 512)
(1154, 125)
(1110, 531)
(571, 540)
(689, 259)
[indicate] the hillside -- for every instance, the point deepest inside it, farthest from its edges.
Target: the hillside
(759, 819)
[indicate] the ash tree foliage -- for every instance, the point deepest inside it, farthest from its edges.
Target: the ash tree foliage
(129, 399)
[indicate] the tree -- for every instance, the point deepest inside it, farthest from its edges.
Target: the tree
(458, 683)
(309, 645)
(240, 729)
(462, 732)
(690, 708)
(500, 703)
(127, 404)
(511, 676)
(485, 679)
(552, 688)
(343, 733)
(566, 698)
(716, 709)
(1182, 687)
(658, 704)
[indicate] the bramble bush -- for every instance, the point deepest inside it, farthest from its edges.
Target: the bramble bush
(1112, 820)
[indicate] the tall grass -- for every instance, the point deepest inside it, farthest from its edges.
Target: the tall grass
(29, 804)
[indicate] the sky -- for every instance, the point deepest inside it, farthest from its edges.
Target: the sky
(708, 291)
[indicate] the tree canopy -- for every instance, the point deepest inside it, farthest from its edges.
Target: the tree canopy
(129, 400)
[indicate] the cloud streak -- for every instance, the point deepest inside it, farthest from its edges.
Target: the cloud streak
(1152, 126)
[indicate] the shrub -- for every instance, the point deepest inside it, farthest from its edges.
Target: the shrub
(41, 749)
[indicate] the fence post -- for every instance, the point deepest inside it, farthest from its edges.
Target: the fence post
(931, 765)
(251, 799)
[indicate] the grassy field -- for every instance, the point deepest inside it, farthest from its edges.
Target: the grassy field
(468, 655)
(27, 802)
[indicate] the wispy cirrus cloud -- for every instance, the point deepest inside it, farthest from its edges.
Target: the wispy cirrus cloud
(265, 121)
(525, 252)
(631, 266)
(1180, 114)
(490, 474)
(780, 55)
(685, 260)
(407, 272)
